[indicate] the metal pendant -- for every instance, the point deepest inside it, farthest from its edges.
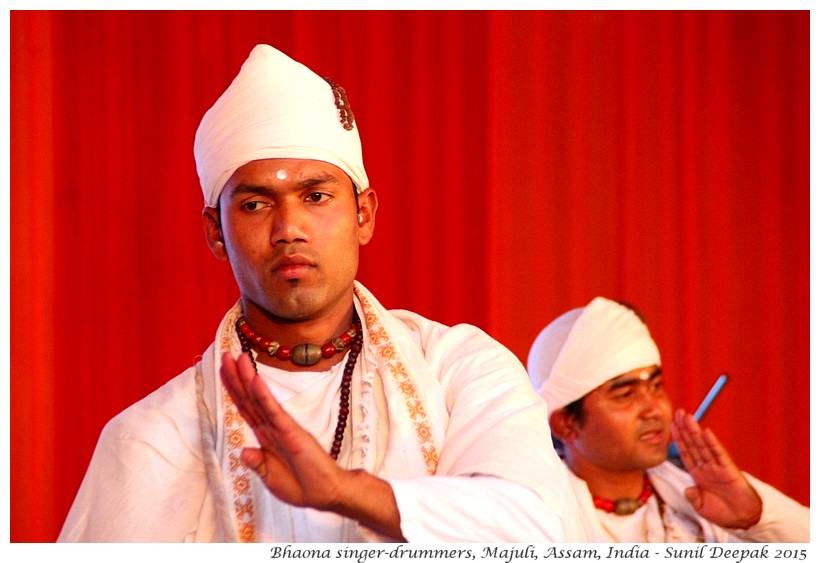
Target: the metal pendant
(306, 354)
(624, 506)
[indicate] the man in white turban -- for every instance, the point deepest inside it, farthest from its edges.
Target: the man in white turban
(600, 372)
(317, 415)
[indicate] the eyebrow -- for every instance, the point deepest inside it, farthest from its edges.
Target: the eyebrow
(319, 179)
(656, 373)
(316, 180)
(250, 189)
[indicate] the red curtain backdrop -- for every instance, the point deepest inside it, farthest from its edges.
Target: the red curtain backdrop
(525, 162)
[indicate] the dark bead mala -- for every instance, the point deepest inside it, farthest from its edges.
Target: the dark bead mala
(344, 388)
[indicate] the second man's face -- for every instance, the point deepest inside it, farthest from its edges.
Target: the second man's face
(627, 421)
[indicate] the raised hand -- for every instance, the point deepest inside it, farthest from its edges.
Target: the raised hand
(721, 493)
(294, 466)
(289, 460)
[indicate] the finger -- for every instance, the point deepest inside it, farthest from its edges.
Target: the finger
(255, 402)
(719, 453)
(276, 431)
(237, 377)
(686, 458)
(687, 447)
(676, 435)
(280, 427)
(683, 454)
(229, 374)
(255, 459)
(680, 425)
(246, 372)
(244, 387)
(279, 479)
(281, 431)
(269, 468)
(694, 496)
(704, 451)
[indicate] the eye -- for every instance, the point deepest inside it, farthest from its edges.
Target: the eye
(622, 393)
(317, 197)
(251, 205)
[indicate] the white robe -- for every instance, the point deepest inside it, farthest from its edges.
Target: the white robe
(445, 414)
(783, 519)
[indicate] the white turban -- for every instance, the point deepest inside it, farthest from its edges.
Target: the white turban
(275, 108)
(584, 348)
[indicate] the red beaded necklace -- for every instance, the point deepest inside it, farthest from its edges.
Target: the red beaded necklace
(301, 354)
(625, 506)
(354, 339)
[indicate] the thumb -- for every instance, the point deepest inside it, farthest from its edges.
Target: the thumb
(255, 459)
(694, 496)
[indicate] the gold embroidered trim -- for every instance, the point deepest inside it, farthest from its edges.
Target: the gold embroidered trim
(398, 371)
(235, 440)
(239, 473)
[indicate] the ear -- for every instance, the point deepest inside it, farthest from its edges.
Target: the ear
(213, 233)
(563, 426)
(368, 203)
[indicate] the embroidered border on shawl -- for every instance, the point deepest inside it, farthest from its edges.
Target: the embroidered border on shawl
(235, 440)
(235, 426)
(207, 436)
(418, 414)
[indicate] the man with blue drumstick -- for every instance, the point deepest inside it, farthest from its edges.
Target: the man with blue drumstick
(600, 372)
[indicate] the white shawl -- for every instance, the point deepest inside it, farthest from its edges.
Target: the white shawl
(417, 415)
(445, 414)
(783, 519)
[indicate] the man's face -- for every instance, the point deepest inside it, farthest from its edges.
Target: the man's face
(292, 237)
(626, 425)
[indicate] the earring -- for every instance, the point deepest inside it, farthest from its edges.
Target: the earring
(360, 218)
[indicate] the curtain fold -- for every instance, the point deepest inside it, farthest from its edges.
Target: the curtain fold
(525, 162)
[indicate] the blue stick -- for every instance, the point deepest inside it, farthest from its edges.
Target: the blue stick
(674, 455)
(707, 402)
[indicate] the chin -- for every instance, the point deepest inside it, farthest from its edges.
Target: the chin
(295, 314)
(655, 460)
(289, 309)
(295, 302)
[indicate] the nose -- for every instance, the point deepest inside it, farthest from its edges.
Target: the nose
(652, 400)
(290, 223)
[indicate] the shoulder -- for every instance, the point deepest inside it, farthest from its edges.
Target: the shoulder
(461, 343)
(432, 336)
(464, 358)
(162, 421)
(438, 345)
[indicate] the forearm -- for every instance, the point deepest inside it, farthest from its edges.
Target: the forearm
(783, 519)
(473, 509)
(371, 502)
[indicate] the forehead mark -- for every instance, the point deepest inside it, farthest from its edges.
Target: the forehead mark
(646, 374)
(281, 174)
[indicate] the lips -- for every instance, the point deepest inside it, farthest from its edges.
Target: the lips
(292, 266)
(653, 435)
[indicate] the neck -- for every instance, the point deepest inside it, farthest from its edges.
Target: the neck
(318, 330)
(607, 483)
